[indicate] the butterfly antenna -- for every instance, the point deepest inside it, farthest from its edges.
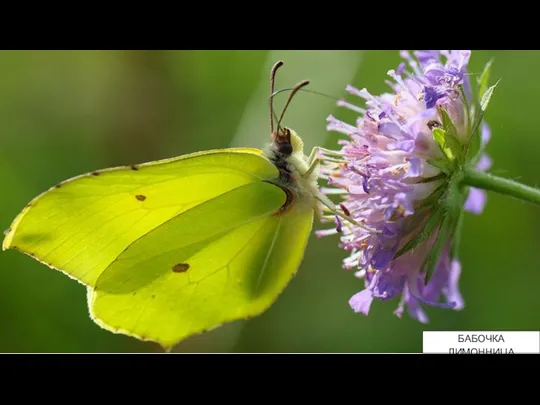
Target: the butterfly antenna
(276, 66)
(293, 92)
(306, 91)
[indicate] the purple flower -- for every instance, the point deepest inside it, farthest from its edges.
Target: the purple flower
(401, 158)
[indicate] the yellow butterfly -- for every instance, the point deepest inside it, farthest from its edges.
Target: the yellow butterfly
(172, 248)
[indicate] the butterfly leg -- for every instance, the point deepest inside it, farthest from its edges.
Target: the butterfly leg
(313, 162)
(331, 207)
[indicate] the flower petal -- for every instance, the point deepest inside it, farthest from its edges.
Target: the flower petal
(416, 312)
(431, 96)
(484, 163)
(415, 168)
(361, 302)
(476, 200)
(486, 133)
(388, 285)
(452, 292)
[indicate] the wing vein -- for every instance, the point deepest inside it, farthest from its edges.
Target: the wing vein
(84, 235)
(232, 258)
(109, 244)
(267, 258)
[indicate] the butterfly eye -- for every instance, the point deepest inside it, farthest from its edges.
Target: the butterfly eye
(285, 149)
(282, 142)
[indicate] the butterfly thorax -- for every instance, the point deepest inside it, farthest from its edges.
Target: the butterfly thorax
(286, 152)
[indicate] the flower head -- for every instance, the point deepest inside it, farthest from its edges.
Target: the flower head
(402, 159)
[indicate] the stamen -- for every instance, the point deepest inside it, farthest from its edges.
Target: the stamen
(352, 107)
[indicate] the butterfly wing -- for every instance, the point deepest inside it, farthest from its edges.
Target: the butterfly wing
(83, 224)
(224, 260)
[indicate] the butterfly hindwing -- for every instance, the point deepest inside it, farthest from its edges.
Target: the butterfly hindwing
(224, 260)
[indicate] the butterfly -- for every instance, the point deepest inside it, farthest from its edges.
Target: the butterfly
(176, 247)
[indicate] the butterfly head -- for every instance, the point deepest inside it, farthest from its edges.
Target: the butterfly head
(286, 141)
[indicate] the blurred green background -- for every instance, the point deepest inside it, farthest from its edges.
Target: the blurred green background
(63, 113)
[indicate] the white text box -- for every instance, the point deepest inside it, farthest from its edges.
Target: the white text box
(477, 342)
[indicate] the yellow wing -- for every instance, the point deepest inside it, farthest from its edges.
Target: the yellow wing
(81, 225)
(224, 260)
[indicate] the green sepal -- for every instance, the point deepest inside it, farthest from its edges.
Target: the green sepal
(483, 80)
(486, 97)
(436, 250)
(452, 209)
(456, 237)
(433, 198)
(455, 196)
(431, 201)
(437, 177)
(449, 145)
(426, 231)
(447, 123)
(475, 142)
(441, 164)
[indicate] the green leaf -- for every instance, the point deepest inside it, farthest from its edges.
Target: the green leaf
(447, 123)
(483, 80)
(449, 144)
(427, 230)
(487, 97)
(475, 141)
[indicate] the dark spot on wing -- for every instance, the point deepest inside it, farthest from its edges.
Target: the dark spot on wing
(58, 186)
(134, 292)
(95, 173)
(134, 167)
(153, 295)
(140, 197)
(180, 268)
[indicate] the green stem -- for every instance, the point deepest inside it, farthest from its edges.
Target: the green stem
(501, 185)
